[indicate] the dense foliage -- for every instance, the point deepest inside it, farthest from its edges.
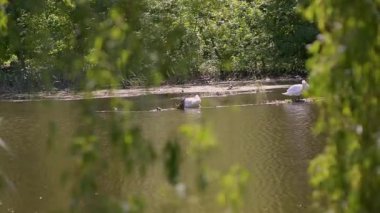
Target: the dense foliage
(59, 43)
(93, 43)
(345, 71)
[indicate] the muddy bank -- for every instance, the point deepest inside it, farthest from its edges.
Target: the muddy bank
(212, 89)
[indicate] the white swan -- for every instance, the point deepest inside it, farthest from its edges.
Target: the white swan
(297, 89)
(190, 102)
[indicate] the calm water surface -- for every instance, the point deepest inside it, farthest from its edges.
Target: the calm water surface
(273, 142)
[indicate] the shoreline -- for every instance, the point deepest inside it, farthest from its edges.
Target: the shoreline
(223, 88)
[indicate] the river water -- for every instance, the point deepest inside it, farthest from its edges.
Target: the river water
(274, 142)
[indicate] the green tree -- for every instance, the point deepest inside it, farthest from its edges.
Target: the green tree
(58, 43)
(38, 36)
(283, 36)
(345, 72)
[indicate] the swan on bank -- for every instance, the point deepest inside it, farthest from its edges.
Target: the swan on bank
(297, 89)
(190, 102)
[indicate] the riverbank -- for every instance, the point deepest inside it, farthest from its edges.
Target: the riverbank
(212, 89)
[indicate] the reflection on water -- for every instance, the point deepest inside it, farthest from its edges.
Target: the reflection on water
(274, 142)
